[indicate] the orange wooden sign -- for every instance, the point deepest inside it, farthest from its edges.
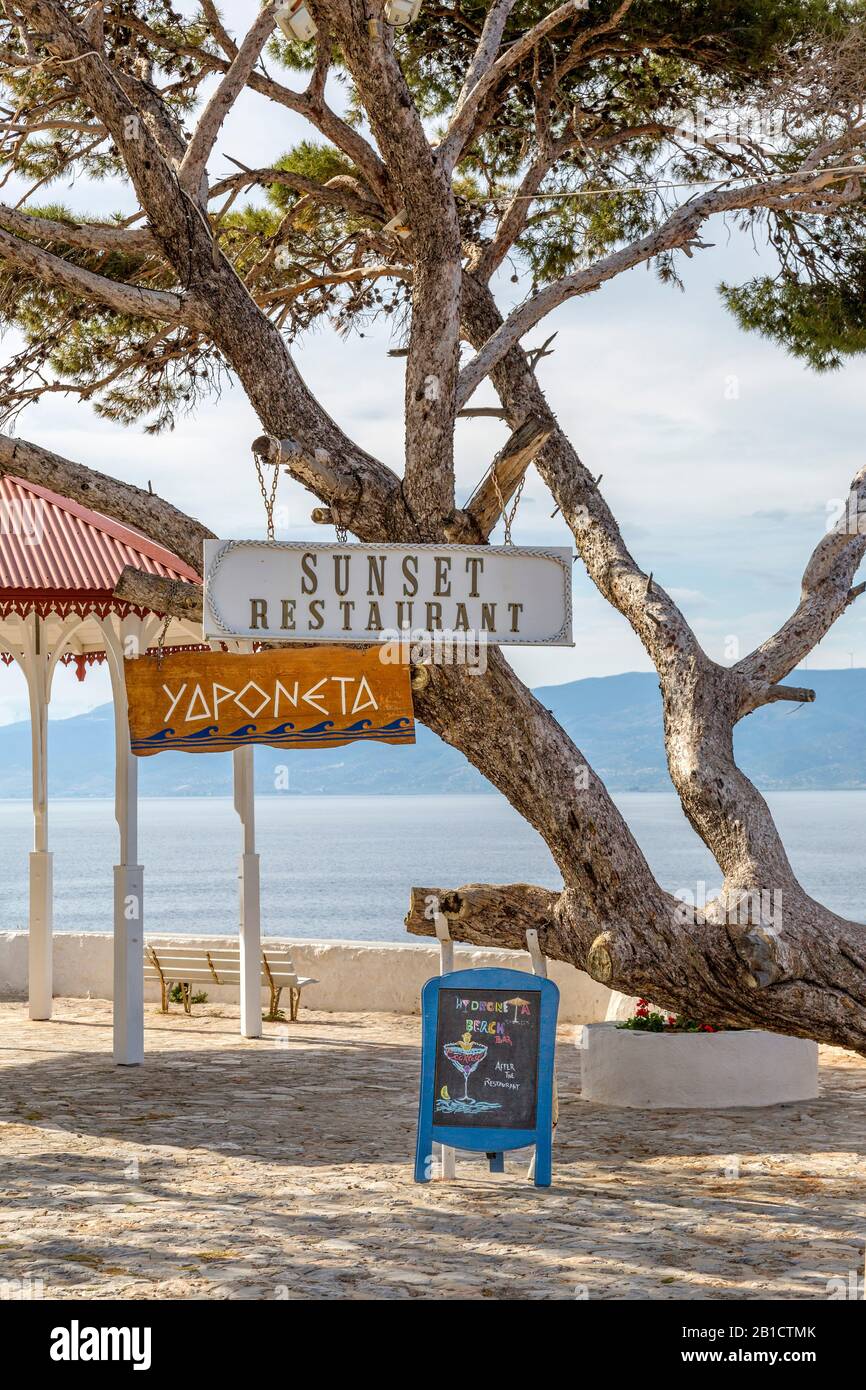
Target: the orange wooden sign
(316, 697)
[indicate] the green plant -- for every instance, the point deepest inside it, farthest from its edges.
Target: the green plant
(176, 996)
(647, 1020)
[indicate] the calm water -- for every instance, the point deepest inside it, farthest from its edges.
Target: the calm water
(342, 866)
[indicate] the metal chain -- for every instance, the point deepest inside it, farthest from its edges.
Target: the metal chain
(507, 517)
(342, 527)
(269, 498)
(160, 641)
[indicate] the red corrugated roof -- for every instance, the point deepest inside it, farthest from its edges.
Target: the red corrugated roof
(54, 545)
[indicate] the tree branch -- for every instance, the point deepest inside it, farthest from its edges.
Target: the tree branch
(651, 611)
(481, 913)
(484, 508)
(362, 500)
(218, 29)
(727, 964)
(700, 697)
(335, 129)
(114, 294)
(677, 231)
(435, 249)
(335, 193)
(460, 128)
(91, 236)
(194, 163)
(149, 148)
(132, 506)
(488, 48)
(797, 694)
(826, 593)
(309, 104)
(152, 591)
(514, 219)
(225, 311)
(284, 293)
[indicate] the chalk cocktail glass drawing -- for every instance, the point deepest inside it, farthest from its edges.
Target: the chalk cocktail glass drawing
(465, 1056)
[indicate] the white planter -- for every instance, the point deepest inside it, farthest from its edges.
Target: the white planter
(677, 1071)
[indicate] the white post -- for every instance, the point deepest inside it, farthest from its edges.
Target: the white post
(539, 967)
(249, 898)
(536, 955)
(446, 965)
(128, 874)
(128, 911)
(40, 944)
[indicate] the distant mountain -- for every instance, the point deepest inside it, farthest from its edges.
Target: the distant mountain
(614, 720)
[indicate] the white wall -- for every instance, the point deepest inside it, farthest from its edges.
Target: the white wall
(354, 976)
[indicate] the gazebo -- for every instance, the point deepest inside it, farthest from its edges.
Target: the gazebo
(59, 567)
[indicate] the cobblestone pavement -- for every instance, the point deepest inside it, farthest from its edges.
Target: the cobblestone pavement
(281, 1168)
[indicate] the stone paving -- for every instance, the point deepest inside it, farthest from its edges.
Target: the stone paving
(281, 1168)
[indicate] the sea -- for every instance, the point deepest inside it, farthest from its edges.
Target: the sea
(335, 867)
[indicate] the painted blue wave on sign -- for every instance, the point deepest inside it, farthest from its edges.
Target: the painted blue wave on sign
(209, 739)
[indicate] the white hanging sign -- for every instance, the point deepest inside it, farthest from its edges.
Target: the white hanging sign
(296, 592)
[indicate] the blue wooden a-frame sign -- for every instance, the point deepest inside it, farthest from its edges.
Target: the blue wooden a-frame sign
(513, 1040)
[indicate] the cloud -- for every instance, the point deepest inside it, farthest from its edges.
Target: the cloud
(690, 598)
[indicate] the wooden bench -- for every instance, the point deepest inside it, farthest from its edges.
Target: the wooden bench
(221, 965)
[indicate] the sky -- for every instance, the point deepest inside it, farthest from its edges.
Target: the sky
(722, 457)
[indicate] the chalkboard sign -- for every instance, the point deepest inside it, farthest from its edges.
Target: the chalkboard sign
(487, 1058)
(487, 1066)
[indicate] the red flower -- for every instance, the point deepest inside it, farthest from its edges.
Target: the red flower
(705, 1028)
(672, 1019)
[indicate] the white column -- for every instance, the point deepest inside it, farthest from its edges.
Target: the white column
(128, 874)
(37, 645)
(41, 925)
(249, 900)
(128, 907)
